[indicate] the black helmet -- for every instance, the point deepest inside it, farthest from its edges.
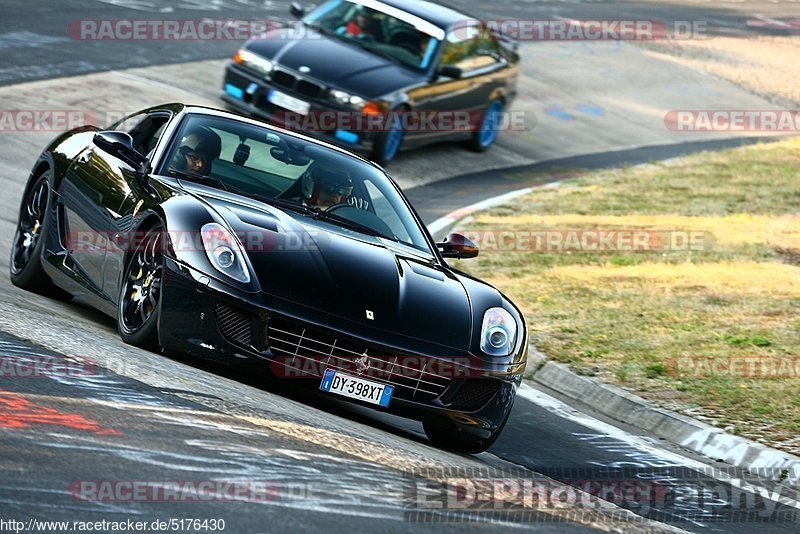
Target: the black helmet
(200, 140)
(332, 181)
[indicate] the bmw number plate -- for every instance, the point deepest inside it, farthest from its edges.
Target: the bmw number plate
(288, 102)
(356, 388)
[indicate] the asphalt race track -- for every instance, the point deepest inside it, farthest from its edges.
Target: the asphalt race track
(56, 53)
(78, 444)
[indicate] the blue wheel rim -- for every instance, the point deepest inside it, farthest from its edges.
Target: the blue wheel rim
(393, 138)
(490, 124)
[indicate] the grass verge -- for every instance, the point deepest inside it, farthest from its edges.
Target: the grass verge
(704, 319)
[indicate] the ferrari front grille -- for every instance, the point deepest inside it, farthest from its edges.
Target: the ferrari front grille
(236, 326)
(313, 350)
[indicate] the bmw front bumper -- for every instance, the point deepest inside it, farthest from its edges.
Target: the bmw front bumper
(249, 94)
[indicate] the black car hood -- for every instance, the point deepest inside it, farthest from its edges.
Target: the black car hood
(348, 275)
(338, 63)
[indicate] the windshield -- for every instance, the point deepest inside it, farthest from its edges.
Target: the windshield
(293, 173)
(381, 29)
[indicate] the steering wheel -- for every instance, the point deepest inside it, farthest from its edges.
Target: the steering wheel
(337, 206)
(372, 221)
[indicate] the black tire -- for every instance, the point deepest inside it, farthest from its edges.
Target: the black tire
(25, 265)
(446, 435)
(139, 304)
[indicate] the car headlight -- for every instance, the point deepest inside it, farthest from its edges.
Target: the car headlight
(224, 252)
(498, 332)
(254, 61)
(346, 99)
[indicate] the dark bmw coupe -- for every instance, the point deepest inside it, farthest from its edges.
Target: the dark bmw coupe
(429, 73)
(207, 233)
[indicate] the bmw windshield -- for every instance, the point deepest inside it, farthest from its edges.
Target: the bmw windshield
(381, 29)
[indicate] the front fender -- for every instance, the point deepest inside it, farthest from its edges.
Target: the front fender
(183, 216)
(482, 296)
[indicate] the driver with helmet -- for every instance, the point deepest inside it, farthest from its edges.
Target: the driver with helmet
(196, 151)
(325, 187)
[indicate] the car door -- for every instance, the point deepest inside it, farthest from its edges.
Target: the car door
(458, 99)
(95, 190)
(146, 133)
(92, 191)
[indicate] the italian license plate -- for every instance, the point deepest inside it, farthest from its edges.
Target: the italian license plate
(288, 102)
(356, 388)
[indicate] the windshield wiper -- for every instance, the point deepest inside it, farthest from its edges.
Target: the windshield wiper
(281, 203)
(319, 213)
(307, 210)
(365, 45)
(198, 177)
(363, 228)
(319, 27)
(227, 187)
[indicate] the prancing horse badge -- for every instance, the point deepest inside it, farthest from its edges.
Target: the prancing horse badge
(370, 315)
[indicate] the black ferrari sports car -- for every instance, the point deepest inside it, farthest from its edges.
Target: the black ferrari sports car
(206, 233)
(372, 76)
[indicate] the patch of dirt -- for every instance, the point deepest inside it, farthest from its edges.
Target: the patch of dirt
(789, 255)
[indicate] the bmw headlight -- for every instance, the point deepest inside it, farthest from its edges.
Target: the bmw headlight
(344, 98)
(224, 252)
(254, 61)
(498, 332)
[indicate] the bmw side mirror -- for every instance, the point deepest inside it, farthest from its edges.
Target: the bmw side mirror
(457, 246)
(451, 71)
(296, 10)
(119, 145)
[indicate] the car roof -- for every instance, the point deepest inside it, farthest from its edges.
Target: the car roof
(438, 14)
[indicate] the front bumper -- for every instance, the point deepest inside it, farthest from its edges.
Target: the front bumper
(204, 317)
(248, 93)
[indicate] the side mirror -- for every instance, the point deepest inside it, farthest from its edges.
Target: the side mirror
(457, 246)
(296, 10)
(119, 145)
(451, 71)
